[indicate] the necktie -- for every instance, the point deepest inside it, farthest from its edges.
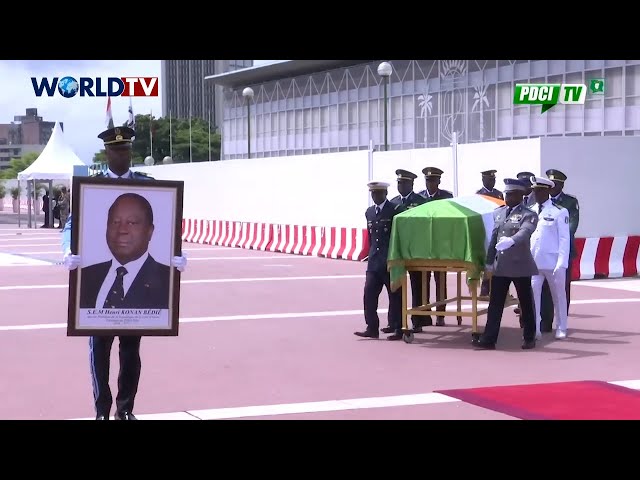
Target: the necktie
(539, 209)
(115, 297)
(404, 200)
(377, 210)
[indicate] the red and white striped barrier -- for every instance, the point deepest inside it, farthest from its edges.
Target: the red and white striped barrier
(606, 257)
(330, 242)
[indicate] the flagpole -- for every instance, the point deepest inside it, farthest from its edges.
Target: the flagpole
(151, 133)
(209, 135)
(190, 151)
(170, 137)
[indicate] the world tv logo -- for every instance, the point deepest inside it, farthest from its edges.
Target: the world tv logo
(69, 87)
(550, 94)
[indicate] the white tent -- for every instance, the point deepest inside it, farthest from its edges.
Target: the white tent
(56, 161)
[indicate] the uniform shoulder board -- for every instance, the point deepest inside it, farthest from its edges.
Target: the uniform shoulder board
(397, 206)
(142, 173)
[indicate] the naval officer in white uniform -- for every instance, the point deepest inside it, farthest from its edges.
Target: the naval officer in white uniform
(550, 245)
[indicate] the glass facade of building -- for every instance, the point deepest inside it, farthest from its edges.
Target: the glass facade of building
(342, 109)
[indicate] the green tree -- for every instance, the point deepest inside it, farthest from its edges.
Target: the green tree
(17, 165)
(177, 148)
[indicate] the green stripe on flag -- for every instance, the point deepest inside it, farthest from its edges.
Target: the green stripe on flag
(438, 230)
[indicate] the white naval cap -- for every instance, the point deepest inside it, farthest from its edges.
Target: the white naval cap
(540, 182)
(378, 185)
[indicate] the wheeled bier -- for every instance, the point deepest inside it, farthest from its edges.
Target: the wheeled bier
(443, 267)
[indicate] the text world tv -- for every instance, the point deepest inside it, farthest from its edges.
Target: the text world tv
(69, 87)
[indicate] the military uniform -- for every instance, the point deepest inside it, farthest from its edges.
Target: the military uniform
(573, 207)
(493, 192)
(525, 177)
(100, 346)
(379, 222)
(407, 202)
(509, 259)
(434, 174)
(550, 250)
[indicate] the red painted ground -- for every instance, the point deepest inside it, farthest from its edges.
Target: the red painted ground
(238, 362)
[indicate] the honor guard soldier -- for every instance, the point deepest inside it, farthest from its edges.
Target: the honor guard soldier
(509, 260)
(550, 250)
(525, 177)
(488, 185)
(432, 176)
(118, 144)
(559, 197)
(379, 221)
(488, 188)
(409, 199)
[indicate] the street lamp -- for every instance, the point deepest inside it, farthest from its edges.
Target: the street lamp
(384, 70)
(248, 94)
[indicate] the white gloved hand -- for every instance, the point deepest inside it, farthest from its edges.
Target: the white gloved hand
(504, 243)
(555, 270)
(179, 262)
(71, 261)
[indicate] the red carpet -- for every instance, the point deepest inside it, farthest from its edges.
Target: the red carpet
(588, 400)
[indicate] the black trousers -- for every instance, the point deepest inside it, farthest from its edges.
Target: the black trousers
(546, 303)
(372, 288)
(128, 377)
(499, 289)
(416, 293)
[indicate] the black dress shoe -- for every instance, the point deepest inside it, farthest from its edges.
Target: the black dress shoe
(477, 343)
(395, 336)
(102, 417)
(387, 330)
(124, 416)
(367, 334)
(528, 344)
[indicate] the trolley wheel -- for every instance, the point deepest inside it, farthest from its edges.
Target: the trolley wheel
(475, 336)
(459, 321)
(408, 337)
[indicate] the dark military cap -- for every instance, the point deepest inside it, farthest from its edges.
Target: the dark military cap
(556, 175)
(511, 184)
(117, 136)
(489, 173)
(432, 172)
(526, 177)
(405, 175)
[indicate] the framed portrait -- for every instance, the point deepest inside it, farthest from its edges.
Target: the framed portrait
(125, 232)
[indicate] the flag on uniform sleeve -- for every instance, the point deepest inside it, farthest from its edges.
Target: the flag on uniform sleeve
(131, 123)
(450, 229)
(109, 119)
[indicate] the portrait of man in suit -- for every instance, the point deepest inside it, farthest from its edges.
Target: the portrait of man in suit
(132, 278)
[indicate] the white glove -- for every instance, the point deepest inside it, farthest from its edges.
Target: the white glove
(504, 243)
(555, 270)
(71, 261)
(179, 262)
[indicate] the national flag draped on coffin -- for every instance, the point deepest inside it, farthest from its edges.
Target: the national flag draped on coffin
(449, 229)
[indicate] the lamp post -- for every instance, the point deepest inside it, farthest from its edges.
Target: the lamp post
(384, 70)
(248, 94)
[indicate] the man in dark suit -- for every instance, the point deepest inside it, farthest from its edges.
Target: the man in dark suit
(488, 185)
(409, 199)
(379, 222)
(525, 177)
(509, 259)
(117, 142)
(561, 199)
(432, 176)
(139, 280)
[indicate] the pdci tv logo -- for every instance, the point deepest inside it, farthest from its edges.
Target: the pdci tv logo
(69, 87)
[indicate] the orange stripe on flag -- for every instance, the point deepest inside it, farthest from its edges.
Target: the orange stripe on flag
(495, 200)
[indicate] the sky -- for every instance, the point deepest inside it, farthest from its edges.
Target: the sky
(83, 117)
